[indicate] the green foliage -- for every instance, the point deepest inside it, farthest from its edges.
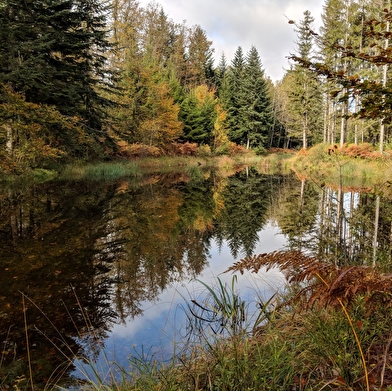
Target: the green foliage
(198, 113)
(55, 54)
(34, 135)
(302, 112)
(225, 311)
(247, 101)
(355, 44)
(245, 212)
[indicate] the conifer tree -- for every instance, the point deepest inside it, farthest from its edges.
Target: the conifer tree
(304, 96)
(221, 72)
(198, 113)
(235, 104)
(54, 52)
(199, 59)
(249, 111)
(354, 65)
(258, 114)
(222, 84)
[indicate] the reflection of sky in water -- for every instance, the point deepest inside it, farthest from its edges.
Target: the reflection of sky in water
(163, 322)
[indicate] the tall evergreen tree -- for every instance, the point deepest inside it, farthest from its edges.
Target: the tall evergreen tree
(236, 100)
(222, 84)
(54, 52)
(198, 113)
(258, 112)
(221, 72)
(305, 95)
(249, 108)
(199, 59)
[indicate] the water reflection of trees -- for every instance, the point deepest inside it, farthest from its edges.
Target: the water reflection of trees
(87, 255)
(84, 255)
(246, 199)
(48, 258)
(161, 242)
(345, 226)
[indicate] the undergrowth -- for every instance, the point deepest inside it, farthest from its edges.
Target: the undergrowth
(329, 331)
(356, 165)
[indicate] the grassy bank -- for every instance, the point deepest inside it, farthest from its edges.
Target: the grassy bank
(332, 333)
(167, 164)
(355, 166)
(224, 165)
(352, 166)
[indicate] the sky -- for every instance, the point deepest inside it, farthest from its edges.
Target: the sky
(232, 23)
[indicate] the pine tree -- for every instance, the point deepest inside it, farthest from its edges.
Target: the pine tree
(258, 113)
(222, 83)
(221, 72)
(354, 64)
(199, 114)
(199, 59)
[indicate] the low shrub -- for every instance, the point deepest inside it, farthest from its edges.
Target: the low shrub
(237, 149)
(138, 150)
(362, 150)
(181, 149)
(204, 150)
(260, 151)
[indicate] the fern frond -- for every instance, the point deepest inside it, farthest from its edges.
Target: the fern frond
(327, 284)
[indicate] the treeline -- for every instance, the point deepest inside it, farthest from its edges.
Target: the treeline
(100, 79)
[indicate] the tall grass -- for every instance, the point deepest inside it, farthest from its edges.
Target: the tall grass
(295, 346)
(289, 345)
(336, 166)
(100, 171)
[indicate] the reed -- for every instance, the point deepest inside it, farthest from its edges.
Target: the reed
(100, 171)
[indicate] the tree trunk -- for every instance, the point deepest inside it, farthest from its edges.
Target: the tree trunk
(326, 123)
(384, 83)
(343, 124)
(9, 144)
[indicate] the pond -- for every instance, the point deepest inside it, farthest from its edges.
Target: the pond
(105, 269)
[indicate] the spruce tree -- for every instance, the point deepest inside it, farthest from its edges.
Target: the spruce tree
(222, 85)
(54, 52)
(199, 59)
(220, 72)
(249, 108)
(258, 109)
(235, 105)
(198, 114)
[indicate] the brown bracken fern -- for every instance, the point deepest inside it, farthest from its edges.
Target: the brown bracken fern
(326, 284)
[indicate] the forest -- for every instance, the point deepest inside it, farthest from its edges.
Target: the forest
(93, 80)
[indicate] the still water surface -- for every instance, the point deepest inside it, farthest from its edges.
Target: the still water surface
(106, 269)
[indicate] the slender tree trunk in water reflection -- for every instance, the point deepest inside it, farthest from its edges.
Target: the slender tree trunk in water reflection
(350, 235)
(301, 208)
(376, 218)
(339, 224)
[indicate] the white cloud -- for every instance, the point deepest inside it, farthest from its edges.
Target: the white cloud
(233, 23)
